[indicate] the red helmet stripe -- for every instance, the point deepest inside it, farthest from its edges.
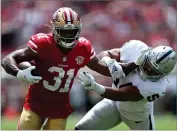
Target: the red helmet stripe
(71, 16)
(66, 18)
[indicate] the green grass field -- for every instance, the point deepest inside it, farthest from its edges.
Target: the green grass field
(163, 122)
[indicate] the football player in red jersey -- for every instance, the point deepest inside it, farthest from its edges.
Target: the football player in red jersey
(57, 57)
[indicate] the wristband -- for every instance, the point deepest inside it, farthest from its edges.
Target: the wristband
(99, 89)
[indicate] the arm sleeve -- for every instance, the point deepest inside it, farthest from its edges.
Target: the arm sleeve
(33, 43)
(90, 52)
(38, 42)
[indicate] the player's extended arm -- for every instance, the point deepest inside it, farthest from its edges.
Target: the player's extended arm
(113, 53)
(11, 61)
(125, 93)
(99, 66)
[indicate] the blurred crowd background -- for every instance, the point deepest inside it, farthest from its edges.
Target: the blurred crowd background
(107, 24)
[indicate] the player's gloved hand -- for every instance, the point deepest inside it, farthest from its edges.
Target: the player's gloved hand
(140, 59)
(106, 59)
(26, 76)
(88, 82)
(114, 68)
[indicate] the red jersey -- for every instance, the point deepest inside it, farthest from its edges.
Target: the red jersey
(50, 97)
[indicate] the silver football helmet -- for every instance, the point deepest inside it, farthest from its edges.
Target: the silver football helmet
(157, 63)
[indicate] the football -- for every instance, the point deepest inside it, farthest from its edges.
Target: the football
(25, 65)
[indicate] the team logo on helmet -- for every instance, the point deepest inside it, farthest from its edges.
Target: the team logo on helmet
(79, 60)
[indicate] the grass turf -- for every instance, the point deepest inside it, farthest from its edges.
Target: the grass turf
(163, 122)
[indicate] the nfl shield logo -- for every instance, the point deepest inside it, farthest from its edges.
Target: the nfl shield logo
(64, 59)
(79, 60)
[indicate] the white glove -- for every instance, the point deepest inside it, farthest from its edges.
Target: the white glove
(106, 59)
(88, 82)
(27, 77)
(114, 68)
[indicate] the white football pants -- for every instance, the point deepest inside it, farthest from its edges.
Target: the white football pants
(105, 115)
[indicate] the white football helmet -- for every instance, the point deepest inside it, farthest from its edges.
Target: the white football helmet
(158, 62)
(66, 27)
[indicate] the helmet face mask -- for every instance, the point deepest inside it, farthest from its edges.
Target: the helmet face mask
(148, 72)
(67, 37)
(158, 62)
(66, 27)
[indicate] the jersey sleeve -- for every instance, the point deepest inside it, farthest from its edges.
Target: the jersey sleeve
(36, 42)
(33, 43)
(89, 52)
(130, 50)
(152, 90)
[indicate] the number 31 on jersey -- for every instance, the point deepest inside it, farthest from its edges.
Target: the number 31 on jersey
(58, 79)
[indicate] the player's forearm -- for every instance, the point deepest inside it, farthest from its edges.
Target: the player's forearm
(113, 54)
(10, 66)
(10, 62)
(117, 94)
(102, 69)
(110, 93)
(98, 66)
(128, 67)
(103, 54)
